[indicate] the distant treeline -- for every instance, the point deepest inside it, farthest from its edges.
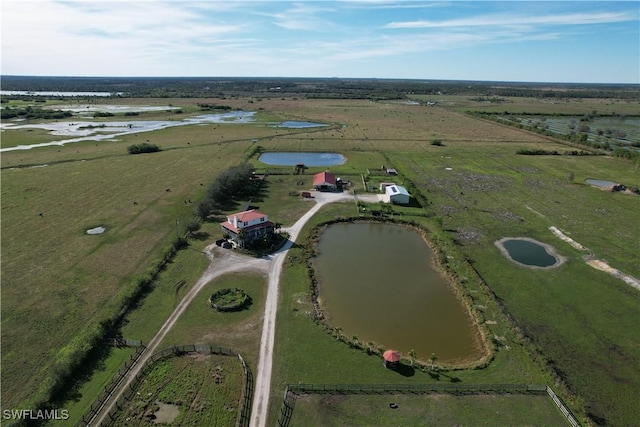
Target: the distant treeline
(540, 152)
(212, 87)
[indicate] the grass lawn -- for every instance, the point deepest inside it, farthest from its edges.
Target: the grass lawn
(98, 376)
(429, 409)
(239, 331)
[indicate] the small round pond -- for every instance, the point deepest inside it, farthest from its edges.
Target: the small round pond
(600, 183)
(97, 230)
(284, 158)
(529, 252)
(379, 282)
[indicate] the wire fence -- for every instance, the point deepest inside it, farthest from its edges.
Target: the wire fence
(109, 389)
(176, 351)
(560, 404)
(294, 390)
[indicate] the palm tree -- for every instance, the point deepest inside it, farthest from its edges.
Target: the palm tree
(432, 359)
(412, 355)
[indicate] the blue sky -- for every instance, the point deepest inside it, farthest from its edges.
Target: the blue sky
(540, 41)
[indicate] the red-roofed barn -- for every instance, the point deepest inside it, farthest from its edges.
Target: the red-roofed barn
(325, 181)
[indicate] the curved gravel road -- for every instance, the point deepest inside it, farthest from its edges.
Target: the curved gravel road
(222, 262)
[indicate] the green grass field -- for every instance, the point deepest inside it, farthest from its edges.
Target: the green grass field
(437, 409)
(578, 319)
(203, 390)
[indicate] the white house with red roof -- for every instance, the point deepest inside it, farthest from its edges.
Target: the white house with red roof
(245, 227)
(325, 181)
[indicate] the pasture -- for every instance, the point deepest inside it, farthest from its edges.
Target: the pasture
(53, 273)
(429, 409)
(191, 390)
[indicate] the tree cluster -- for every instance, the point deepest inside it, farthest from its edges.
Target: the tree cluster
(142, 148)
(30, 112)
(232, 183)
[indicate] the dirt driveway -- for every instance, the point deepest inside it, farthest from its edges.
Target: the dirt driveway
(223, 261)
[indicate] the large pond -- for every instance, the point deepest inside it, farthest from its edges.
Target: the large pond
(529, 252)
(379, 282)
(284, 158)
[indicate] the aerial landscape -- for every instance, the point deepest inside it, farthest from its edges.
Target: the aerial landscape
(318, 213)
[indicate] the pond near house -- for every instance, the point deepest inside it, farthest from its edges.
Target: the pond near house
(309, 159)
(529, 252)
(379, 282)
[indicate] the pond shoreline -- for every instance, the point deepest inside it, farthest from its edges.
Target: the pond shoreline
(482, 351)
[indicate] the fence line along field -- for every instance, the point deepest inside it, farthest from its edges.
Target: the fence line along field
(574, 322)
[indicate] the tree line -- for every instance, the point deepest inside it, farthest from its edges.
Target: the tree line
(211, 87)
(232, 183)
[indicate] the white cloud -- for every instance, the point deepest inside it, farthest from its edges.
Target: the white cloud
(505, 19)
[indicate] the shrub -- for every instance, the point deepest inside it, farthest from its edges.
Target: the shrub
(142, 148)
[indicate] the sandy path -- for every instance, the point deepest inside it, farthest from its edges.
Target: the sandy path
(222, 262)
(263, 377)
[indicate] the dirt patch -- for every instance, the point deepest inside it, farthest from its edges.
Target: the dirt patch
(166, 413)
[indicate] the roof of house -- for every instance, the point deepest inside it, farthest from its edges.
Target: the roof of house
(235, 229)
(392, 190)
(324, 178)
(247, 216)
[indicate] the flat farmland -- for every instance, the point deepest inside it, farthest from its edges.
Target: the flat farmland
(477, 188)
(580, 318)
(51, 266)
(436, 409)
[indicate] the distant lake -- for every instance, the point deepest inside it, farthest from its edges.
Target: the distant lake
(308, 159)
(29, 93)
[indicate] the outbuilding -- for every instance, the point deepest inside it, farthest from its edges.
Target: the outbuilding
(325, 181)
(396, 194)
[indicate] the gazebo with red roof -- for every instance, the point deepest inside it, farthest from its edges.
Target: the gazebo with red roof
(391, 358)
